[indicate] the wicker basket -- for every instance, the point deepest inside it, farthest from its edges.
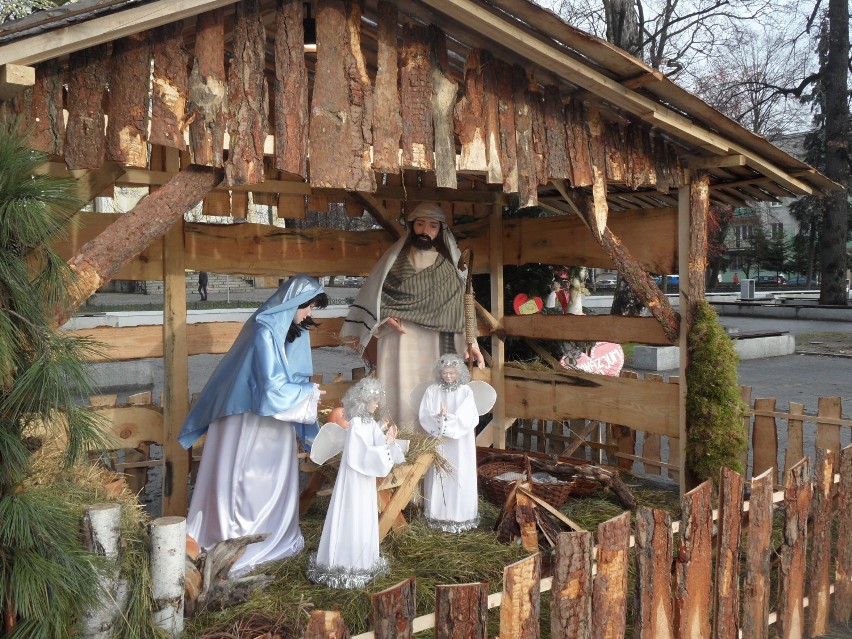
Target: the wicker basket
(497, 490)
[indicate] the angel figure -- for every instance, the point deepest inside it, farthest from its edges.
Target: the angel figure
(348, 554)
(449, 410)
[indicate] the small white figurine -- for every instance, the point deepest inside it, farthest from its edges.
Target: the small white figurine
(348, 554)
(449, 411)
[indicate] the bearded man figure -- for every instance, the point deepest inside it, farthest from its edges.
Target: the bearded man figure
(412, 303)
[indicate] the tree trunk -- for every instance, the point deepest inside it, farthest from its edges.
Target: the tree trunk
(291, 90)
(444, 90)
(415, 80)
(207, 91)
(387, 123)
(127, 128)
(393, 611)
(84, 134)
(835, 220)
(170, 87)
(100, 259)
(469, 116)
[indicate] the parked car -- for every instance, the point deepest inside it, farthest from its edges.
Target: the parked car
(802, 280)
(605, 282)
(771, 280)
(674, 280)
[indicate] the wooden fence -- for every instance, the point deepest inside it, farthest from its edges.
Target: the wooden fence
(777, 439)
(689, 578)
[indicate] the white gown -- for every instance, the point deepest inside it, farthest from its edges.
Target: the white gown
(451, 502)
(348, 554)
(248, 483)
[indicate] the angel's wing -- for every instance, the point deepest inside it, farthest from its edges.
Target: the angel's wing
(328, 442)
(417, 394)
(484, 395)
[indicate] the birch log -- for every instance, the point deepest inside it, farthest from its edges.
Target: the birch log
(168, 552)
(101, 536)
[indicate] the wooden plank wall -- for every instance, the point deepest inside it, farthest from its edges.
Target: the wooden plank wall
(588, 584)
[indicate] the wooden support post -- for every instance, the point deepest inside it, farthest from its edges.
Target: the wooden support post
(497, 310)
(393, 611)
(175, 365)
(571, 598)
(798, 492)
(654, 616)
(727, 587)
(461, 611)
(694, 564)
(683, 331)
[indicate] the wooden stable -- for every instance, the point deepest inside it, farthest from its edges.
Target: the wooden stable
(460, 102)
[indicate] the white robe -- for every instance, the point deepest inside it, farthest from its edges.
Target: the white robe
(348, 554)
(248, 483)
(451, 501)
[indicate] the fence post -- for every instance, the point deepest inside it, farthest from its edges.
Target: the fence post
(795, 437)
(654, 617)
(797, 502)
(756, 581)
(694, 564)
(609, 598)
(519, 610)
(842, 604)
(727, 592)
(571, 590)
(828, 435)
(461, 611)
(326, 624)
(764, 439)
(394, 611)
(819, 579)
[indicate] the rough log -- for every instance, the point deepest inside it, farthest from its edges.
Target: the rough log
(527, 179)
(127, 126)
(756, 575)
(168, 550)
(694, 564)
(539, 134)
(324, 624)
(638, 279)
(638, 161)
(361, 176)
(609, 598)
(327, 128)
(726, 604)
(170, 87)
(819, 579)
(43, 115)
(291, 90)
(84, 134)
(614, 134)
(444, 90)
(248, 97)
(133, 232)
(207, 91)
(578, 144)
(219, 589)
(101, 536)
(654, 615)
(842, 604)
(797, 501)
(571, 590)
(699, 210)
(525, 516)
(469, 116)
(393, 611)
(554, 123)
(597, 157)
(415, 83)
(506, 109)
(387, 122)
(491, 113)
(461, 611)
(519, 609)
(764, 437)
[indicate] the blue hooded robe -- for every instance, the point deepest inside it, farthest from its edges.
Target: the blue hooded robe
(261, 373)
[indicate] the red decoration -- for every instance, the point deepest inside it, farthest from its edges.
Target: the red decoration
(605, 358)
(526, 305)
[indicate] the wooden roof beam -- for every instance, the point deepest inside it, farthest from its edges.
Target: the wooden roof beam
(83, 35)
(715, 162)
(14, 78)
